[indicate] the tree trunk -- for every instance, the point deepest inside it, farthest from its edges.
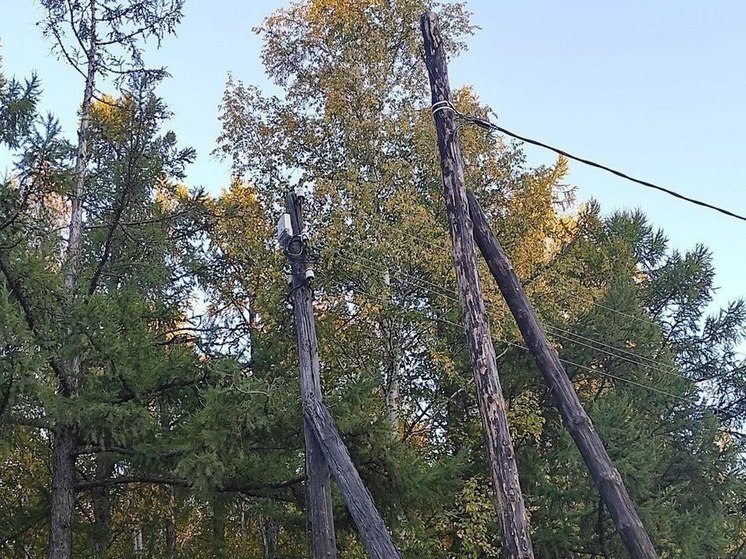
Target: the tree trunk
(63, 462)
(270, 538)
(392, 368)
(392, 396)
(601, 530)
(219, 509)
(63, 494)
(170, 527)
(102, 507)
(392, 387)
(137, 541)
(75, 231)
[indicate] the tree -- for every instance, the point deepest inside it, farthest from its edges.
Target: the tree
(669, 449)
(352, 130)
(126, 322)
(185, 423)
(21, 202)
(17, 108)
(98, 31)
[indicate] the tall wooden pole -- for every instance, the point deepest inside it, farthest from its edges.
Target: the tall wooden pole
(509, 499)
(317, 469)
(602, 469)
(370, 526)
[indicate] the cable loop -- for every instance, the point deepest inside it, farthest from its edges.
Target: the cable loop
(292, 240)
(444, 105)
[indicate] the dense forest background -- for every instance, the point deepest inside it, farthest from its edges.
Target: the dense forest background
(149, 399)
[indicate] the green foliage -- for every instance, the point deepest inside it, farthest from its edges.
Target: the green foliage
(108, 34)
(187, 419)
(17, 108)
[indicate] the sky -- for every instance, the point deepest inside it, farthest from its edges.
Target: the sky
(654, 89)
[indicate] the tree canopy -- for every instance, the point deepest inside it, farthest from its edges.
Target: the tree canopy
(149, 398)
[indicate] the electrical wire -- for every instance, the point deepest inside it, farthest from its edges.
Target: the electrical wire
(595, 371)
(643, 320)
(584, 301)
(615, 377)
(612, 351)
(598, 371)
(621, 174)
(621, 357)
(639, 319)
(644, 361)
(451, 295)
(442, 291)
(486, 124)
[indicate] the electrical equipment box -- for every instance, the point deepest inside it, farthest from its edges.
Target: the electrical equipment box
(284, 230)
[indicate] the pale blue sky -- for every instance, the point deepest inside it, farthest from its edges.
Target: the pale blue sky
(656, 89)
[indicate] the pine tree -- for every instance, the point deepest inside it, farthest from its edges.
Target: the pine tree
(126, 323)
(96, 39)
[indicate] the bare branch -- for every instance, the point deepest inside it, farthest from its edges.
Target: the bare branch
(127, 480)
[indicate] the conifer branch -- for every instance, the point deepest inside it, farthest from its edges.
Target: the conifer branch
(28, 314)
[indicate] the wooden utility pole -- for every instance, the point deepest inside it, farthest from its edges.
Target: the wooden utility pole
(602, 469)
(370, 526)
(317, 469)
(509, 499)
(324, 446)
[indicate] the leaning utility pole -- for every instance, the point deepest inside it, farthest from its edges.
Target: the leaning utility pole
(324, 446)
(291, 235)
(370, 526)
(602, 469)
(509, 499)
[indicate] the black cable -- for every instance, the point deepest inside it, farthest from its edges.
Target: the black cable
(618, 173)
(486, 124)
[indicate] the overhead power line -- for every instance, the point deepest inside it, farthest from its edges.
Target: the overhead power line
(452, 296)
(567, 335)
(449, 294)
(488, 125)
(405, 278)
